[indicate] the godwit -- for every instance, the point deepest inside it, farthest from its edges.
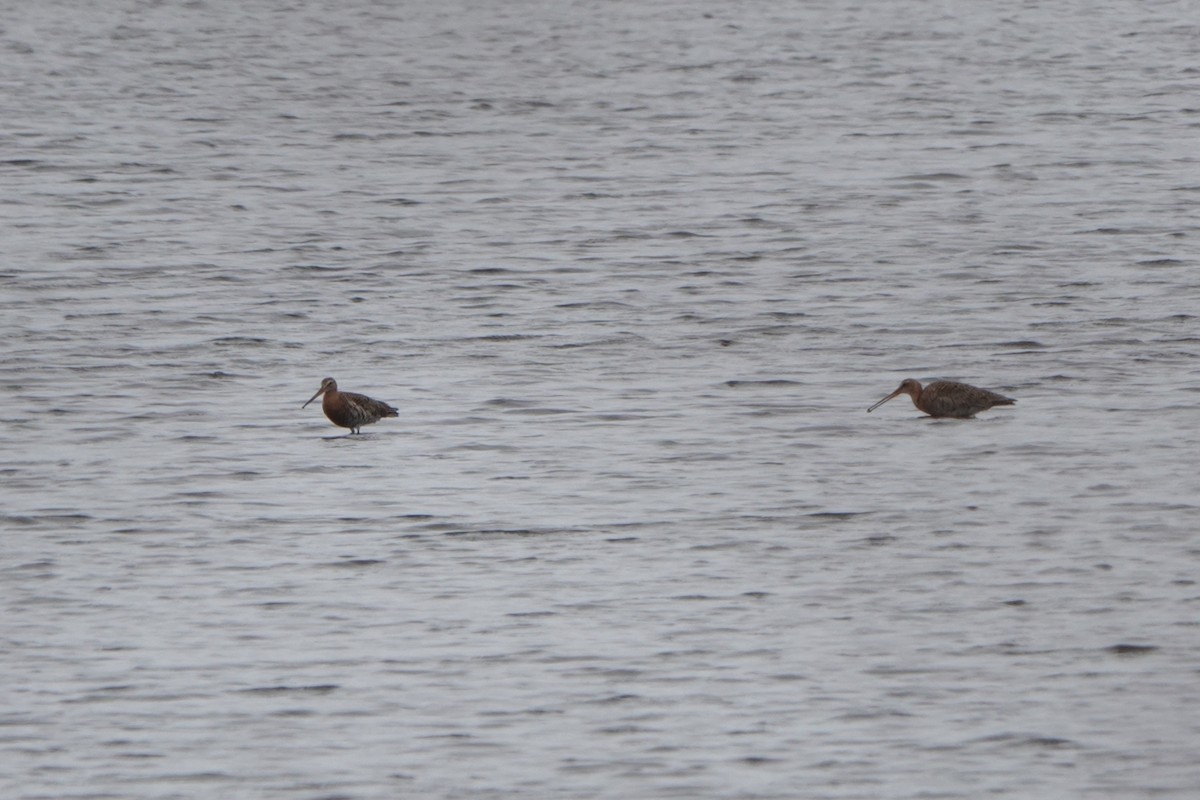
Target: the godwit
(349, 409)
(947, 398)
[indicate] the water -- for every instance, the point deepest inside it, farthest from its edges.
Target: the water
(632, 273)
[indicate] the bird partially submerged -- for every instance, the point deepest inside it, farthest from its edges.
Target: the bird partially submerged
(350, 409)
(947, 398)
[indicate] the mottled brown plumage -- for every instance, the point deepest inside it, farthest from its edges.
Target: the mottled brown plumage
(350, 409)
(947, 398)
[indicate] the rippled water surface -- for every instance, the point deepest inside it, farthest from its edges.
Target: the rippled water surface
(632, 272)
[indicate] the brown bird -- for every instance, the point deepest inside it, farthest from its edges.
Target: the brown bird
(349, 409)
(947, 398)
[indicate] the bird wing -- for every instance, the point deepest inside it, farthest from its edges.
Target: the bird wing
(368, 407)
(953, 399)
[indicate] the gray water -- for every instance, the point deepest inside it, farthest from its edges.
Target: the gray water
(632, 273)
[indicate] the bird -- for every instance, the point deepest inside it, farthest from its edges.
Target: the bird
(350, 409)
(947, 398)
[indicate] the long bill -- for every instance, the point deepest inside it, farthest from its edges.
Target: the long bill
(884, 400)
(320, 392)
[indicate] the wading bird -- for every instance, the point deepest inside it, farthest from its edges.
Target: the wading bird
(350, 409)
(947, 398)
